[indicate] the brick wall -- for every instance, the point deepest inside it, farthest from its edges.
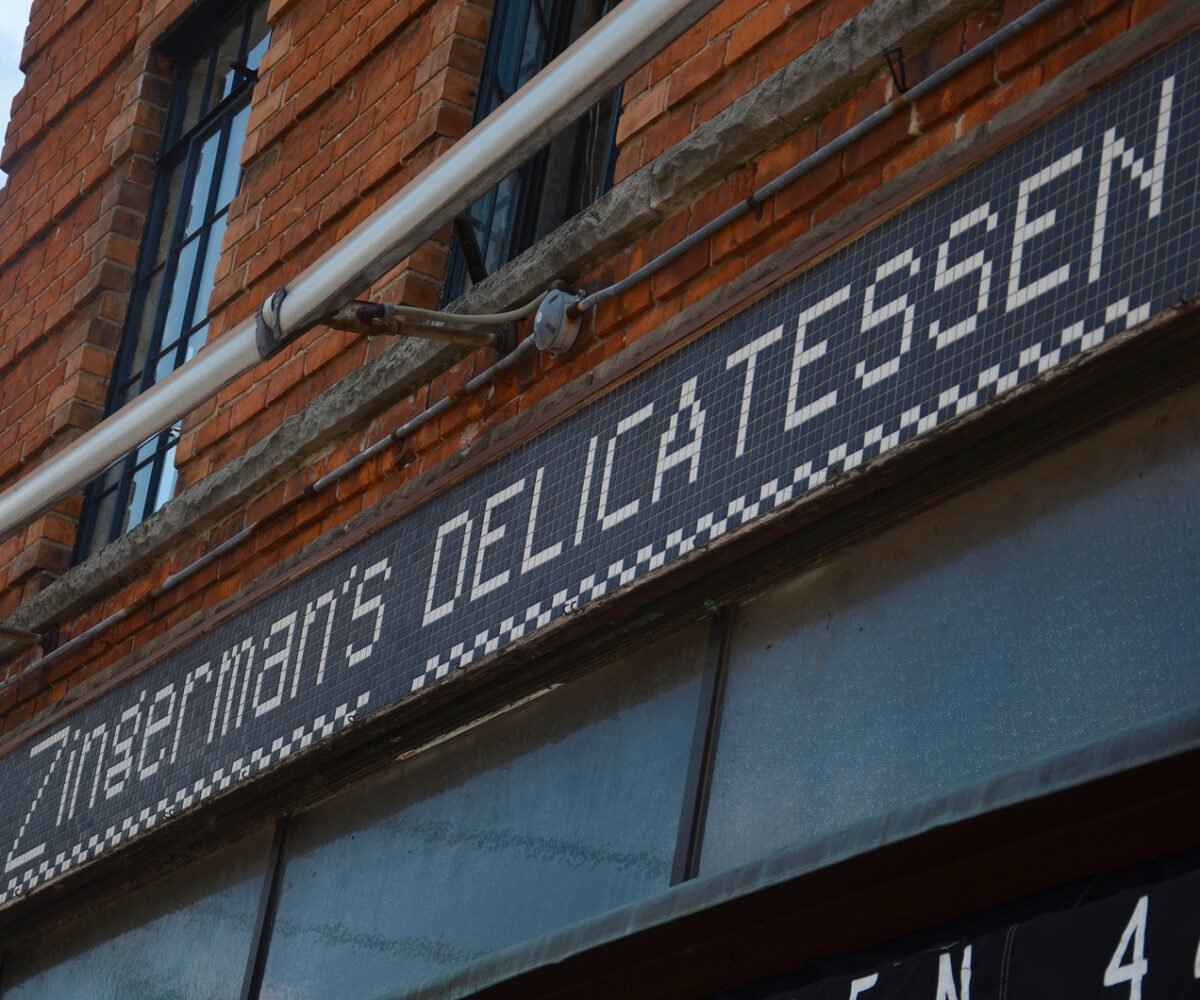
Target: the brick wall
(355, 98)
(78, 158)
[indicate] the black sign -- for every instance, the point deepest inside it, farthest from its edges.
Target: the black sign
(1080, 230)
(1142, 945)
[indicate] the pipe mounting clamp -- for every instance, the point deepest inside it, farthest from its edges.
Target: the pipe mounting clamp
(268, 331)
(555, 325)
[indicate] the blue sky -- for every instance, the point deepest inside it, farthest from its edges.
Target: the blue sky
(14, 16)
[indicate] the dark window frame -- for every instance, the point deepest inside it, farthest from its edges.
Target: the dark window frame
(509, 34)
(141, 357)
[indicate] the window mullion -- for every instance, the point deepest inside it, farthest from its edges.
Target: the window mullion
(206, 229)
(157, 462)
(171, 266)
(464, 232)
(247, 27)
(486, 102)
(210, 79)
(264, 923)
(127, 351)
(205, 125)
(488, 230)
(85, 531)
(128, 471)
(519, 82)
(704, 748)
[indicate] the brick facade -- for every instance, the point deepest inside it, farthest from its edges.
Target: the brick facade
(354, 99)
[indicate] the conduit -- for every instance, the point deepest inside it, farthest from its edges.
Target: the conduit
(480, 381)
(615, 46)
(395, 320)
(822, 155)
(359, 315)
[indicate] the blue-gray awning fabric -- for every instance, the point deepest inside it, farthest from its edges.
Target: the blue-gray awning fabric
(1157, 741)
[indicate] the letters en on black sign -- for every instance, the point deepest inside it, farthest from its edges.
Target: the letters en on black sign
(1078, 231)
(1139, 945)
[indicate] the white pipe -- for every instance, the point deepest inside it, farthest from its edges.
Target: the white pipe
(595, 63)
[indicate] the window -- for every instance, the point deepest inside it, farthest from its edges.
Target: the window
(562, 179)
(198, 176)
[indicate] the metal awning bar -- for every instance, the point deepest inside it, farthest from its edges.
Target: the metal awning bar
(618, 44)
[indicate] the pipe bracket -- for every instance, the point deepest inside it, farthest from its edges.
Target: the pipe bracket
(556, 324)
(268, 335)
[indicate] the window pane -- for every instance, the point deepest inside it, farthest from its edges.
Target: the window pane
(212, 254)
(260, 37)
(105, 506)
(499, 235)
(194, 84)
(168, 477)
(229, 53)
(1052, 609)
(203, 183)
(144, 332)
(521, 49)
(195, 341)
(167, 361)
(231, 171)
(557, 811)
(184, 272)
(170, 212)
(135, 508)
(186, 937)
(533, 55)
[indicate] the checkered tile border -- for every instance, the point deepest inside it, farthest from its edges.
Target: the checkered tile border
(259, 759)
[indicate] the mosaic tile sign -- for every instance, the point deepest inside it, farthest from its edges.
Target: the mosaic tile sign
(1078, 231)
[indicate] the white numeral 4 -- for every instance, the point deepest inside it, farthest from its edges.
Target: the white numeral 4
(1133, 940)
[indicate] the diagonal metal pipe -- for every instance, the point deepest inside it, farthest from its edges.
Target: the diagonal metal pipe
(619, 43)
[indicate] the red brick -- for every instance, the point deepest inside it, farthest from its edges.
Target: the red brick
(1099, 33)
(919, 149)
(642, 110)
(1031, 44)
(1142, 9)
(879, 141)
(726, 14)
(678, 52)
(696, 71)
(755, 28)
(797, 37)
(957, 93)
(987, 107)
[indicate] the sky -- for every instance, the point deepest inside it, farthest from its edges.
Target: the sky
(14, 16)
